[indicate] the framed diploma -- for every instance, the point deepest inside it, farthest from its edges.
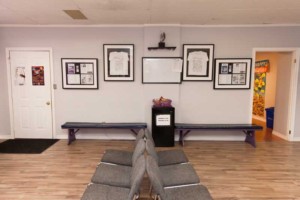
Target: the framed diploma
(79, 73)
(118, 62)
(233, 73)
(198, 62)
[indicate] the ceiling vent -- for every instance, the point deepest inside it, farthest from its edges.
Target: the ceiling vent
(75, 14)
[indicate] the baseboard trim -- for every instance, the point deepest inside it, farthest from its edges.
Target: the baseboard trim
(259, 118)
(296, 139)
(5, 137)
(280, 135)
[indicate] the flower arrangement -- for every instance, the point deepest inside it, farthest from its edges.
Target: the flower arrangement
(162, 102)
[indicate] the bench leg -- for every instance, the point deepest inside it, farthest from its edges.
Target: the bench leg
(250, 138)
(181, 139)
(181, 136)
(71, 136)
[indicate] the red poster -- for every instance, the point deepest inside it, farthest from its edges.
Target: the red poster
(38, 75)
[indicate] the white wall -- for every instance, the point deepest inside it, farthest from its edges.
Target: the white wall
(195, 102)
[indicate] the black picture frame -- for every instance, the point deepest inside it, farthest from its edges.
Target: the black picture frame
(79, 73)
(198, 60)
(232, 73)
(118, 62)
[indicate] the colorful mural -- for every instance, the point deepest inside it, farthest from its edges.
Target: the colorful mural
(261, 68)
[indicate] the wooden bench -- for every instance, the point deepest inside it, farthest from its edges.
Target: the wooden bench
(74, 127)
(248, 129)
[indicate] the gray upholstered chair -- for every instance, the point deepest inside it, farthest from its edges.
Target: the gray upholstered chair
(122, 157)
(118, 175)
(106, 192)
(176, 175)
(166, 157)
(187, 192)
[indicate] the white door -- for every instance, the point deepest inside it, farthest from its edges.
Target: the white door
(31, 93)
(283, 90)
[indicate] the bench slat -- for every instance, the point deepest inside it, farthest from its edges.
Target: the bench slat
(73, 127)
(217, 126)
(77, 125)
(248, 129)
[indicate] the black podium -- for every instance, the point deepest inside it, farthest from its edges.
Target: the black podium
(163, 126)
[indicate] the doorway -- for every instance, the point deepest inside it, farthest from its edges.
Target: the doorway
(274, 88)
(29, 77)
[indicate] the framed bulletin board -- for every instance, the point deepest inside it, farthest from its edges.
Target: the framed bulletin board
(233, 73)
(161, 70)
(79, 73)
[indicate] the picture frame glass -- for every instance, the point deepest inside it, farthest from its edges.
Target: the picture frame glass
(232, 73)
(161, 70)
(198, 62)
(118, 62)
(80, 73)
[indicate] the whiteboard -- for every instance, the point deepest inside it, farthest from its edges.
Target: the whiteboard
(161, 70)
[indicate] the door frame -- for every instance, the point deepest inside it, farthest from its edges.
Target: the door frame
(9, 81)
(293, 84)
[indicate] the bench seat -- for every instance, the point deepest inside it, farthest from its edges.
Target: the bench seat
(74, 127)
(249, 129)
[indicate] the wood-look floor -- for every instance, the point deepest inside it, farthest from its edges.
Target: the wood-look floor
(230, 170)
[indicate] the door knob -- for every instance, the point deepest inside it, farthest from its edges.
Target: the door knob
(48, 103)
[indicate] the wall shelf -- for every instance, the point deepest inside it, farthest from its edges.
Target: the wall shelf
(158, 48)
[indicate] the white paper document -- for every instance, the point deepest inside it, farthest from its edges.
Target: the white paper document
(224, 79)
(87, 79)
(197, 63)
(163, 120)
(239, 68)
(118, 63)
(86, 68)
(177, 67)
(239, 79)
(73, 79)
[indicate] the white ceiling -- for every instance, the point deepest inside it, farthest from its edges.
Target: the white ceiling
(185, 12)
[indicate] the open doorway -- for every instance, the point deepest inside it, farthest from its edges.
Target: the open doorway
(273, 97)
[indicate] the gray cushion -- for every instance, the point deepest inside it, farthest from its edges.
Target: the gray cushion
(181, 174)
(126, 158)
(155, 177)
(138, 150)
(105, 192)
(193, 192)
(148, 136)
(167, 157)
(118, 157)
(114, 175)
(151, 149)
(140, 135)
(171, 157)
(137, 175)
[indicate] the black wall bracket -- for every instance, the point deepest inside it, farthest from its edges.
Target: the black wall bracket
(161, 44)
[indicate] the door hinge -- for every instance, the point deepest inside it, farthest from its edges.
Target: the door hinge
(290, 132)
(295, 60)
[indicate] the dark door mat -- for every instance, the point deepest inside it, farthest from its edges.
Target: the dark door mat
(26, 146)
